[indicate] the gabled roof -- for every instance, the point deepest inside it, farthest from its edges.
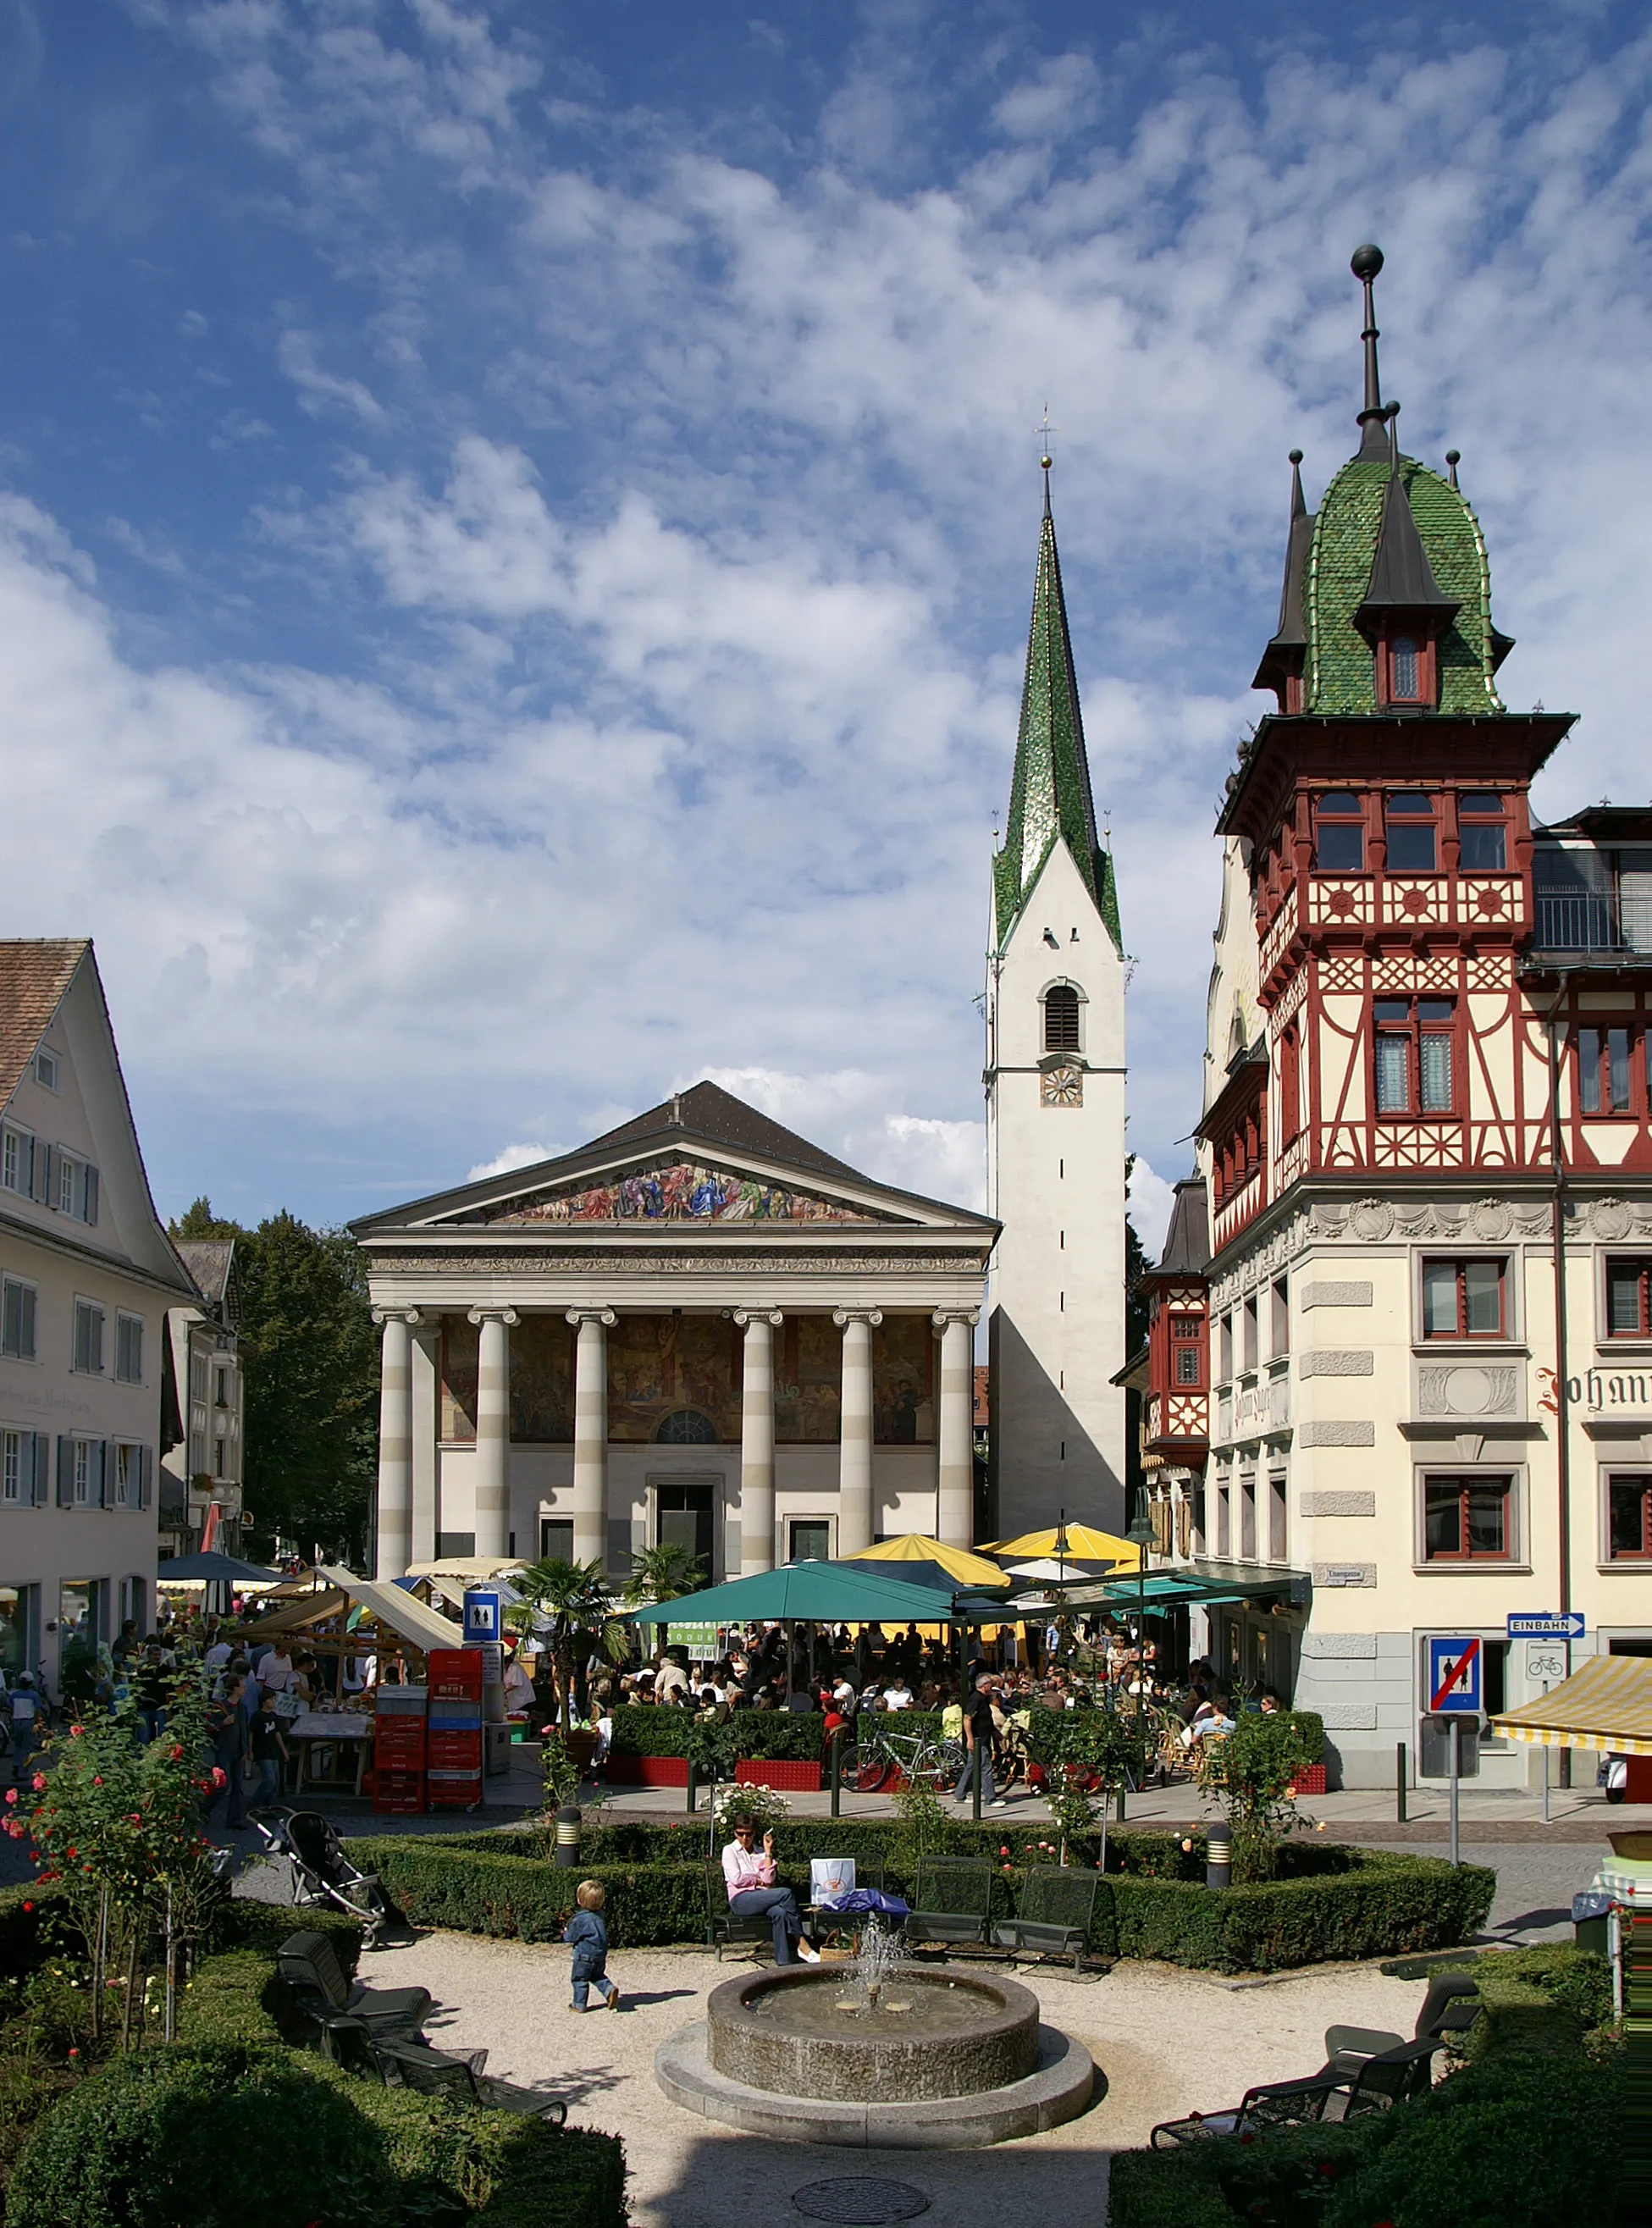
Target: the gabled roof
(1049, 795)
(1187, 1242)
(702, 1160)
(708, 1112)
(211, 1262)
(35, 972)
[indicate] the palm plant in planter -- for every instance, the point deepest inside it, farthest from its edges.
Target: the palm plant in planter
(662, 1574)
(568, 1605)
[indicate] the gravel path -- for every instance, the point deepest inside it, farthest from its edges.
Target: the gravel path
(1166, 2042)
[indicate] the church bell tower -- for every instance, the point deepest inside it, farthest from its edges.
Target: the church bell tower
(1055, 1113)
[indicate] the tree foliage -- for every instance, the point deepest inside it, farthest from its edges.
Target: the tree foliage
(311, 1360)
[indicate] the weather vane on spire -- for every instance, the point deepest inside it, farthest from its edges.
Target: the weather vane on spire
(1046, 433)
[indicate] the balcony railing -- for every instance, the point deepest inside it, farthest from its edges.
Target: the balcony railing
(1579, 920)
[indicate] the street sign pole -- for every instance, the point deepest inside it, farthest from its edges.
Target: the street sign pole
(1457, 1775)
(1545, 1765)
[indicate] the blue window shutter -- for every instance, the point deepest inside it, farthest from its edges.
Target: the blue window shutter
(66, 1473)
(90, 1207)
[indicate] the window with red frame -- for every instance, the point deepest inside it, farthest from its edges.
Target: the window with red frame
(1412, 837)
(1186, 1350)
(1468, 1520)
(1483, 835)
(1628, 1298)
(1339, 833)
(1629, 1518)
(1463, 1299)
(1413, 1054)
(1603, 1069)
(1406, 669)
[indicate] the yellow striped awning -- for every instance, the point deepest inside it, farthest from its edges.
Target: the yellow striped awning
(1606, 1704)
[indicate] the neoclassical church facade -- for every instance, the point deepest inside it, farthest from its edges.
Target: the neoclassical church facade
(702, 1328)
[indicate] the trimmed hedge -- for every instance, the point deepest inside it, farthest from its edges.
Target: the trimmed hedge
(1516, 2141)
(1353, 1904)
(396, 2157)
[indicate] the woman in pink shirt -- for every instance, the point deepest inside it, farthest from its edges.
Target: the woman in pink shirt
(752, 1893)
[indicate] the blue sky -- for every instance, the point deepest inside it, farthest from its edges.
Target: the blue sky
(516, 521)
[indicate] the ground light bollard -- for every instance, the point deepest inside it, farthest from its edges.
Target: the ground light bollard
(1218, 1855)
(568, 1822)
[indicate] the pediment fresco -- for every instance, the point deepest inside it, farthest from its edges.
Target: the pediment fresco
(679, 1191)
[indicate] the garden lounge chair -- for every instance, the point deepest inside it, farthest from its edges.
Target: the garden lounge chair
(352, 2044)
(1388, 2077)
(723, 1927)
(308, 1964)
(953, 1900)
(1058, 1902)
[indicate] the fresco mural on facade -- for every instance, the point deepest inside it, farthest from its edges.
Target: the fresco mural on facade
(676, 1377)
(460, 1343)
(541, 1381)
(903, 1381)
(681, 1191)
(807, 1381)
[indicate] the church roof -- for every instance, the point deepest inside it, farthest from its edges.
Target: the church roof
(1050, 800)
(35, 972)
(710, 1112)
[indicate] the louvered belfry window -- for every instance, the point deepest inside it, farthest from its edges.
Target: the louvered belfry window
(1061, 1018)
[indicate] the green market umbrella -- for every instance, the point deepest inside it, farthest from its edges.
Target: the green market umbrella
(809, 1593)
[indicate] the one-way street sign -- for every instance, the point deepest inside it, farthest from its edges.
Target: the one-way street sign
(1547, 1624)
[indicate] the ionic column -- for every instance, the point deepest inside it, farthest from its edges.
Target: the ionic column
(591, 1433)
(955, 1429)
(855, 1450)
(395, 1442)
(757, 1438)
(492, 1470)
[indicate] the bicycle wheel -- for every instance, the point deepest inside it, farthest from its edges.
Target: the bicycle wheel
(872, 1771)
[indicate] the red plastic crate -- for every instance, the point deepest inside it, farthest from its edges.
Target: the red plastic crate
(406, 1738)
(444, 1788)
(648, 1771)
(454, 1752)
(454, 1674)
(400, 1794)
(1310, 1780)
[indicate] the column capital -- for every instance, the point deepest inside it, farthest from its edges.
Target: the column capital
(841, 1316)
(507, 1316)
(941, 1316)
(604, 1315)
(411, 1316)
(744, 1315)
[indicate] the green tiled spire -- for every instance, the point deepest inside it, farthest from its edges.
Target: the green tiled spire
(1049, 796)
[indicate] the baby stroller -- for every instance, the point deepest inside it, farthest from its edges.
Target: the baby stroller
(322, 1873)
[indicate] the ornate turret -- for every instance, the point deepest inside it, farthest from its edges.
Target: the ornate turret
(1388, 592)
(1049, 793)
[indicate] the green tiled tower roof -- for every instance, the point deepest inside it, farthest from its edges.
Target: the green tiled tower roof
(1339, 676)
(1049, 796)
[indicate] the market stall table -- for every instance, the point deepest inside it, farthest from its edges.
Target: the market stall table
(326, 1739)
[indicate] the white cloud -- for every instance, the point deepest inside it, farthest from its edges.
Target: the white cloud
(1151, 1202)
(515, 1157)
(320, 390)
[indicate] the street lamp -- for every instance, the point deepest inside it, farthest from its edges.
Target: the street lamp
(1140, 1536)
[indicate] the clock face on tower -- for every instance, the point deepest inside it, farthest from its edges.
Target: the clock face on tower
(1062, 1085)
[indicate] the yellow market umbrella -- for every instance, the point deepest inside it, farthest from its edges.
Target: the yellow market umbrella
(916, 1548)
(1606, 1704)
(1084, 1545)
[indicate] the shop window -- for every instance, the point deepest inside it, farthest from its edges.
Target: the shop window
(1628, 1298)
(1482, 837)
(1629, 1518)
(1468, 1519)
(1463, 1299)
(556, 1539)
(811, 1540)
(1413, 846)
(1339, 834)
(1413, 1055)
(1602, 1071)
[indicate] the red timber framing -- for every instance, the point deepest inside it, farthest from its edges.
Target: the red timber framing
(1391, 870)
(1177, 1409)
(1236, 1129)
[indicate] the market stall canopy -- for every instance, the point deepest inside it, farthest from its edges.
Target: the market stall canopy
(212, 1569)
(1605, 1704)
(298, 1616)
(1049, 1570)
(468, 1570)
(908, 1547)
(390, 1606)
(1084, 1544)
(811, 1593)
(1192, 1585)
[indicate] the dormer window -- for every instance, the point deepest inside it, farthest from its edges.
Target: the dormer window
(1061, 1018)
(1406, 670)
(1410, 834)
(1339, 834)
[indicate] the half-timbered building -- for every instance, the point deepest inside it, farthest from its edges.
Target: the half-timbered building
(1426, 1143)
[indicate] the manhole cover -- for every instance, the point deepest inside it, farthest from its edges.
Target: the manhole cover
(859, 2201)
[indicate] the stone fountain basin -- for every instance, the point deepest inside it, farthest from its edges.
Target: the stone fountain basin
(781, 2031)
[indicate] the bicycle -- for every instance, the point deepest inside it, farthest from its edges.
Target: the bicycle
(916, 1757)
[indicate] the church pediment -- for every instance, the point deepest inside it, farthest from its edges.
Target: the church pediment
(675, 1190)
